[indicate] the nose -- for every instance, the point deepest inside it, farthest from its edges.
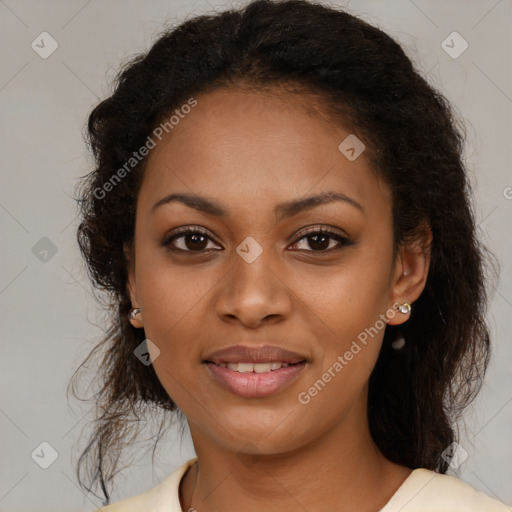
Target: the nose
(253, 294)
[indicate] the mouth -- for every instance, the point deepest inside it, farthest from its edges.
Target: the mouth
(255, 372)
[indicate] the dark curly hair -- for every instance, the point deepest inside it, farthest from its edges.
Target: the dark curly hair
(362, 79)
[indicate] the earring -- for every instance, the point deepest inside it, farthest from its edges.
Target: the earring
(404, 308)
(133, 313)
(398, 343)
(132, 316)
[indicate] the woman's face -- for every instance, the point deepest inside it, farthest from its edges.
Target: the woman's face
(252, 277)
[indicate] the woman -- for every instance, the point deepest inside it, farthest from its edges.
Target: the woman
(281, 216)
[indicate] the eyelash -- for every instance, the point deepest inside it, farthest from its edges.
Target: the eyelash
(182, 232)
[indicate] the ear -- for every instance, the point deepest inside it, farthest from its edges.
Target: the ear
(131, 288)
(409, 274)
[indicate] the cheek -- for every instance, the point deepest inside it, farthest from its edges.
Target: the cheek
(173, 300)
(171, 295)
(175, 322)
(351, 331)
(350, 297)
(348, 305)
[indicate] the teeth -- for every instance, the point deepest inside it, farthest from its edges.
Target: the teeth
(262, 367)
(254, 367)
(245, 367)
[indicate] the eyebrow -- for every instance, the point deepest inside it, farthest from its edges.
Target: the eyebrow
(282, 210)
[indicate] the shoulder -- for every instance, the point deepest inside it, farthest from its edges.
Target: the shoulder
(163, 497)
(427, 491)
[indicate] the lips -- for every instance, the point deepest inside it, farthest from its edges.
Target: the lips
(256, 355)
(255, 372)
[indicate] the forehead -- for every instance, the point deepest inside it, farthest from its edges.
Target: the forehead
(239, 144)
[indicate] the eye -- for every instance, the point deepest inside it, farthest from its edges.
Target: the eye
(322, 240)
(188, 240)
(197, 240)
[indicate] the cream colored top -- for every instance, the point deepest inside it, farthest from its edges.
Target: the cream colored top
(422, 491)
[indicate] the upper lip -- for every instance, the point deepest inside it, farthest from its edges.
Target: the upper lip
(258, 354)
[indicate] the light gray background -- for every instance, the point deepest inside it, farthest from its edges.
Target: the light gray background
(48, 312)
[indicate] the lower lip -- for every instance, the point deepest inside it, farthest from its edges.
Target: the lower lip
(255, 385)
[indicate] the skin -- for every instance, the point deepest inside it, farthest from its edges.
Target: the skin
(250, 151)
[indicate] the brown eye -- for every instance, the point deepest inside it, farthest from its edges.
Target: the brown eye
(189, 240)
(322, 240)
